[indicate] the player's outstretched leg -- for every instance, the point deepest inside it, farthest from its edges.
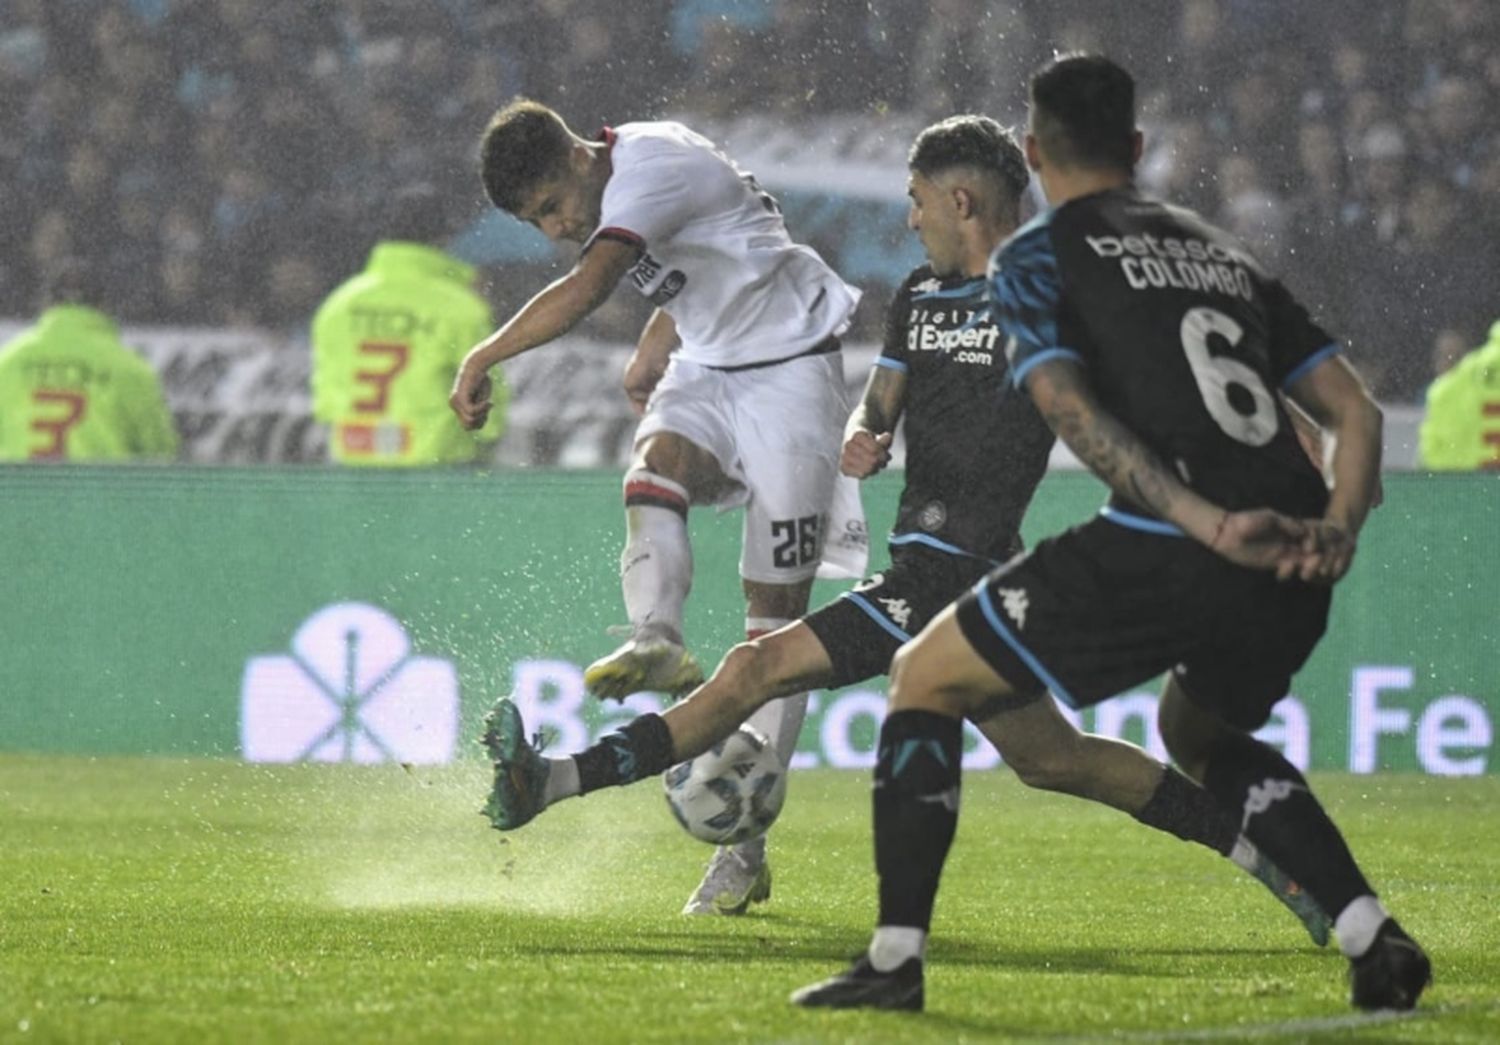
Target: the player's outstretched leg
(1048, 752)
(526, 782)
(518, 792)
(1280, 814)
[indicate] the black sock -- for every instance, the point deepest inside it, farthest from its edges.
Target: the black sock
(1284, 820)
(1182, 808)
(638, 749)
(916, 811)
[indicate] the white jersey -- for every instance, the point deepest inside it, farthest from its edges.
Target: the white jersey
(714, 252)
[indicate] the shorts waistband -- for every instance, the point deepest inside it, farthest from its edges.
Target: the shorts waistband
(822, 348)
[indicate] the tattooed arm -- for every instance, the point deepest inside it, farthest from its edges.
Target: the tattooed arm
(872, 425)
(1261, 538)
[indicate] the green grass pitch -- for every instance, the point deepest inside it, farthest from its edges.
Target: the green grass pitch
(203, 901)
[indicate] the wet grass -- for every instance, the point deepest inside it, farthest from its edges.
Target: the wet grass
(205, 901)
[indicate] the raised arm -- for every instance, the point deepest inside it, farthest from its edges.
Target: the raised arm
(872, 424)
(1261, 539)
(546, 317)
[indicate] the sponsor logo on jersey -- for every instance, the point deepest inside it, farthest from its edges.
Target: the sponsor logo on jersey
(969, 344)
(670, 287)
(1015, 604)
(927, 286)
(644, 272)
(1150, 262)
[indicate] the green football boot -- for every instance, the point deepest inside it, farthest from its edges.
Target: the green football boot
(519, 791)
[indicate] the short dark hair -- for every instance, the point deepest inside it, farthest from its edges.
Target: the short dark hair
(525, 144)
(1083, 112)
(971, 141)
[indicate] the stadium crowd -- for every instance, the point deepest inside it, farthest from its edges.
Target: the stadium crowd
(221, 159)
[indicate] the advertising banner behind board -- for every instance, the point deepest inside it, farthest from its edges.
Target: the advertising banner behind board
(318, 614)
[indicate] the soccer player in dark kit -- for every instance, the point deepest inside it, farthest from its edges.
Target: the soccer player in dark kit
(975, 453)
(1154, 345)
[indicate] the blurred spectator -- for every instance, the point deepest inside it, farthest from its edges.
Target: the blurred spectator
(71, 390)
(1461, 429)
(263, 132)
(387, 344)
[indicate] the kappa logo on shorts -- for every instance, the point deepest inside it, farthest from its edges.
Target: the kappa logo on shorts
(898, 610)
(1015, 603)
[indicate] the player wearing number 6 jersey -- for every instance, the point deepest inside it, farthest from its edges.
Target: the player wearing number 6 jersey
(71, 390)
(1153, 345)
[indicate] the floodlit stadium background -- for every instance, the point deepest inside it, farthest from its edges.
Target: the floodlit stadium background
(223, 161)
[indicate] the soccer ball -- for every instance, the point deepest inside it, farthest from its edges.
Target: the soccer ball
(730, 793)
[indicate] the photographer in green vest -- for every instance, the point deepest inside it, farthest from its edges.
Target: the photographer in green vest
(70, 390)
(387, 342)
(1461, 430)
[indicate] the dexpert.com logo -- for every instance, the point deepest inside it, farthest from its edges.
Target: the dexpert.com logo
(349, 690)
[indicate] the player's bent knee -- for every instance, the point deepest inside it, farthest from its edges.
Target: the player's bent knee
(1047, 770)
(748, 675)
(918, 682)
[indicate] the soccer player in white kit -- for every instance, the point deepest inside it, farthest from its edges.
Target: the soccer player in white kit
(738, 375)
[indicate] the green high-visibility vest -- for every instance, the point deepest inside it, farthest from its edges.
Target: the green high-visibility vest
(71, 390)
(1461, 429)
(386, 346)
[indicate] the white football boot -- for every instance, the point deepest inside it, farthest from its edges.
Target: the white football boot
(737, 876)
(648, 662)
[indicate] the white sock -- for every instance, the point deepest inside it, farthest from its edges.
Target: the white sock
(1357, 924)
(656, 566)
(894, 944)
(562, 780)
(780, 720)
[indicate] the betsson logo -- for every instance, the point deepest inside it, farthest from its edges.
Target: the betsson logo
(349, 690)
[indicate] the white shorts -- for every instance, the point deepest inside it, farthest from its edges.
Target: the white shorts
(776, 432)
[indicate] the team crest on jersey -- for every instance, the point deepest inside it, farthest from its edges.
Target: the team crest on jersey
(932, 516)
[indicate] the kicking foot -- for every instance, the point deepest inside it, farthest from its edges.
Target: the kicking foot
(518, 793)
(657, 664)
(1392, 974)
(861, 986)
(731, 884)
(1313, 918)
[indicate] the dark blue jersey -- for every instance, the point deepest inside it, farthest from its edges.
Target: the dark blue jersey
(975, 448)
(1185, 338)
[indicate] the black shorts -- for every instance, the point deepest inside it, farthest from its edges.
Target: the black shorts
(862, 629)
(1104, 607)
